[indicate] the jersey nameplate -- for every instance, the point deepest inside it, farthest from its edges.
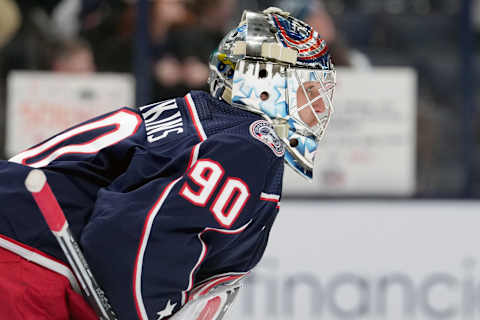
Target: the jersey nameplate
(263, 131)
(162, 119)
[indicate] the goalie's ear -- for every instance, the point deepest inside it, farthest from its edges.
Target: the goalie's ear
(210, 300)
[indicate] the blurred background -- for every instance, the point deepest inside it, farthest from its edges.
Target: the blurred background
(159, 49)
(392, 208)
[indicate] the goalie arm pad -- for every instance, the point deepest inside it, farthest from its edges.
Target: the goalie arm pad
(210, 301)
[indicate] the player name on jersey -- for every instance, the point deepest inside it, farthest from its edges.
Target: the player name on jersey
(159, 125)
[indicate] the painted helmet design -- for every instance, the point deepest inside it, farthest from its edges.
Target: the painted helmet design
(279, 67)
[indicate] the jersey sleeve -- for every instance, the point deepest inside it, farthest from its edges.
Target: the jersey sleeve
(78, 162)
(98, 149)
(176, 231)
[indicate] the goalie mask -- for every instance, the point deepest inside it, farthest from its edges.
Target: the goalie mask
(277, 66)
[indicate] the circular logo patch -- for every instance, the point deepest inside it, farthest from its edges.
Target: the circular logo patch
(263, 131)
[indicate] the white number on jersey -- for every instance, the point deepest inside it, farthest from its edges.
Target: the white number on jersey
(125, 122)
(229, 202)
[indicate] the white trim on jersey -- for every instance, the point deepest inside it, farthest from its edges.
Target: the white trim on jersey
(203, 253)
(269, 197)
(194, 155)
(126, 123)
(137, 283)
(41, 259)
(195, 119)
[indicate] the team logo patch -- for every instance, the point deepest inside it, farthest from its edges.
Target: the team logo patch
(263, 131)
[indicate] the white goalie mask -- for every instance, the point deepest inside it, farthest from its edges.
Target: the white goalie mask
(279, 67)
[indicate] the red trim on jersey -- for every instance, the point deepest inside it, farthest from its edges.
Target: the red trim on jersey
(205, 176)
(211, 282)
(217, 282)
(235, 194)
(204, 253)
(194, 116)
(67, 136)
(269, 197)
(24, 161)
(266, 199)
(193, 156)
(142, 245)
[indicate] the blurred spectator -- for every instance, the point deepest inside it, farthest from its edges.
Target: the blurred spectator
(72, 56)
(10, 20)
(42, 35)
(167, 14)
(315, 14)
(66, 18)
(181, 59)
(167, 65)
(109, 27)
(37, 45)
(28, 48)
(214, 18)
(24, 44)
(476, 15)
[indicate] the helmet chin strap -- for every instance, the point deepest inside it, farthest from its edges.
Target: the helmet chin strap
(281, 127)
(227, 95)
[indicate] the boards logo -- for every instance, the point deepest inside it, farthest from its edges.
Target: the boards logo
(263, 131)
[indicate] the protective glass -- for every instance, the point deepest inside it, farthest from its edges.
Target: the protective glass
(310, 94)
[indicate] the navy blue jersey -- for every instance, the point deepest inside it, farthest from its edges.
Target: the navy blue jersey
(160, 198)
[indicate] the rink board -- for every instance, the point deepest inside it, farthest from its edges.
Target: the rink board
(370, 145)
(41, 104)
(395, 260)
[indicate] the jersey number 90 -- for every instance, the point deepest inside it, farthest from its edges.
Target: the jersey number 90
(230, 200)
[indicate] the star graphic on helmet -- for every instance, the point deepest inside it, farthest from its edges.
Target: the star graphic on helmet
(167, 311)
